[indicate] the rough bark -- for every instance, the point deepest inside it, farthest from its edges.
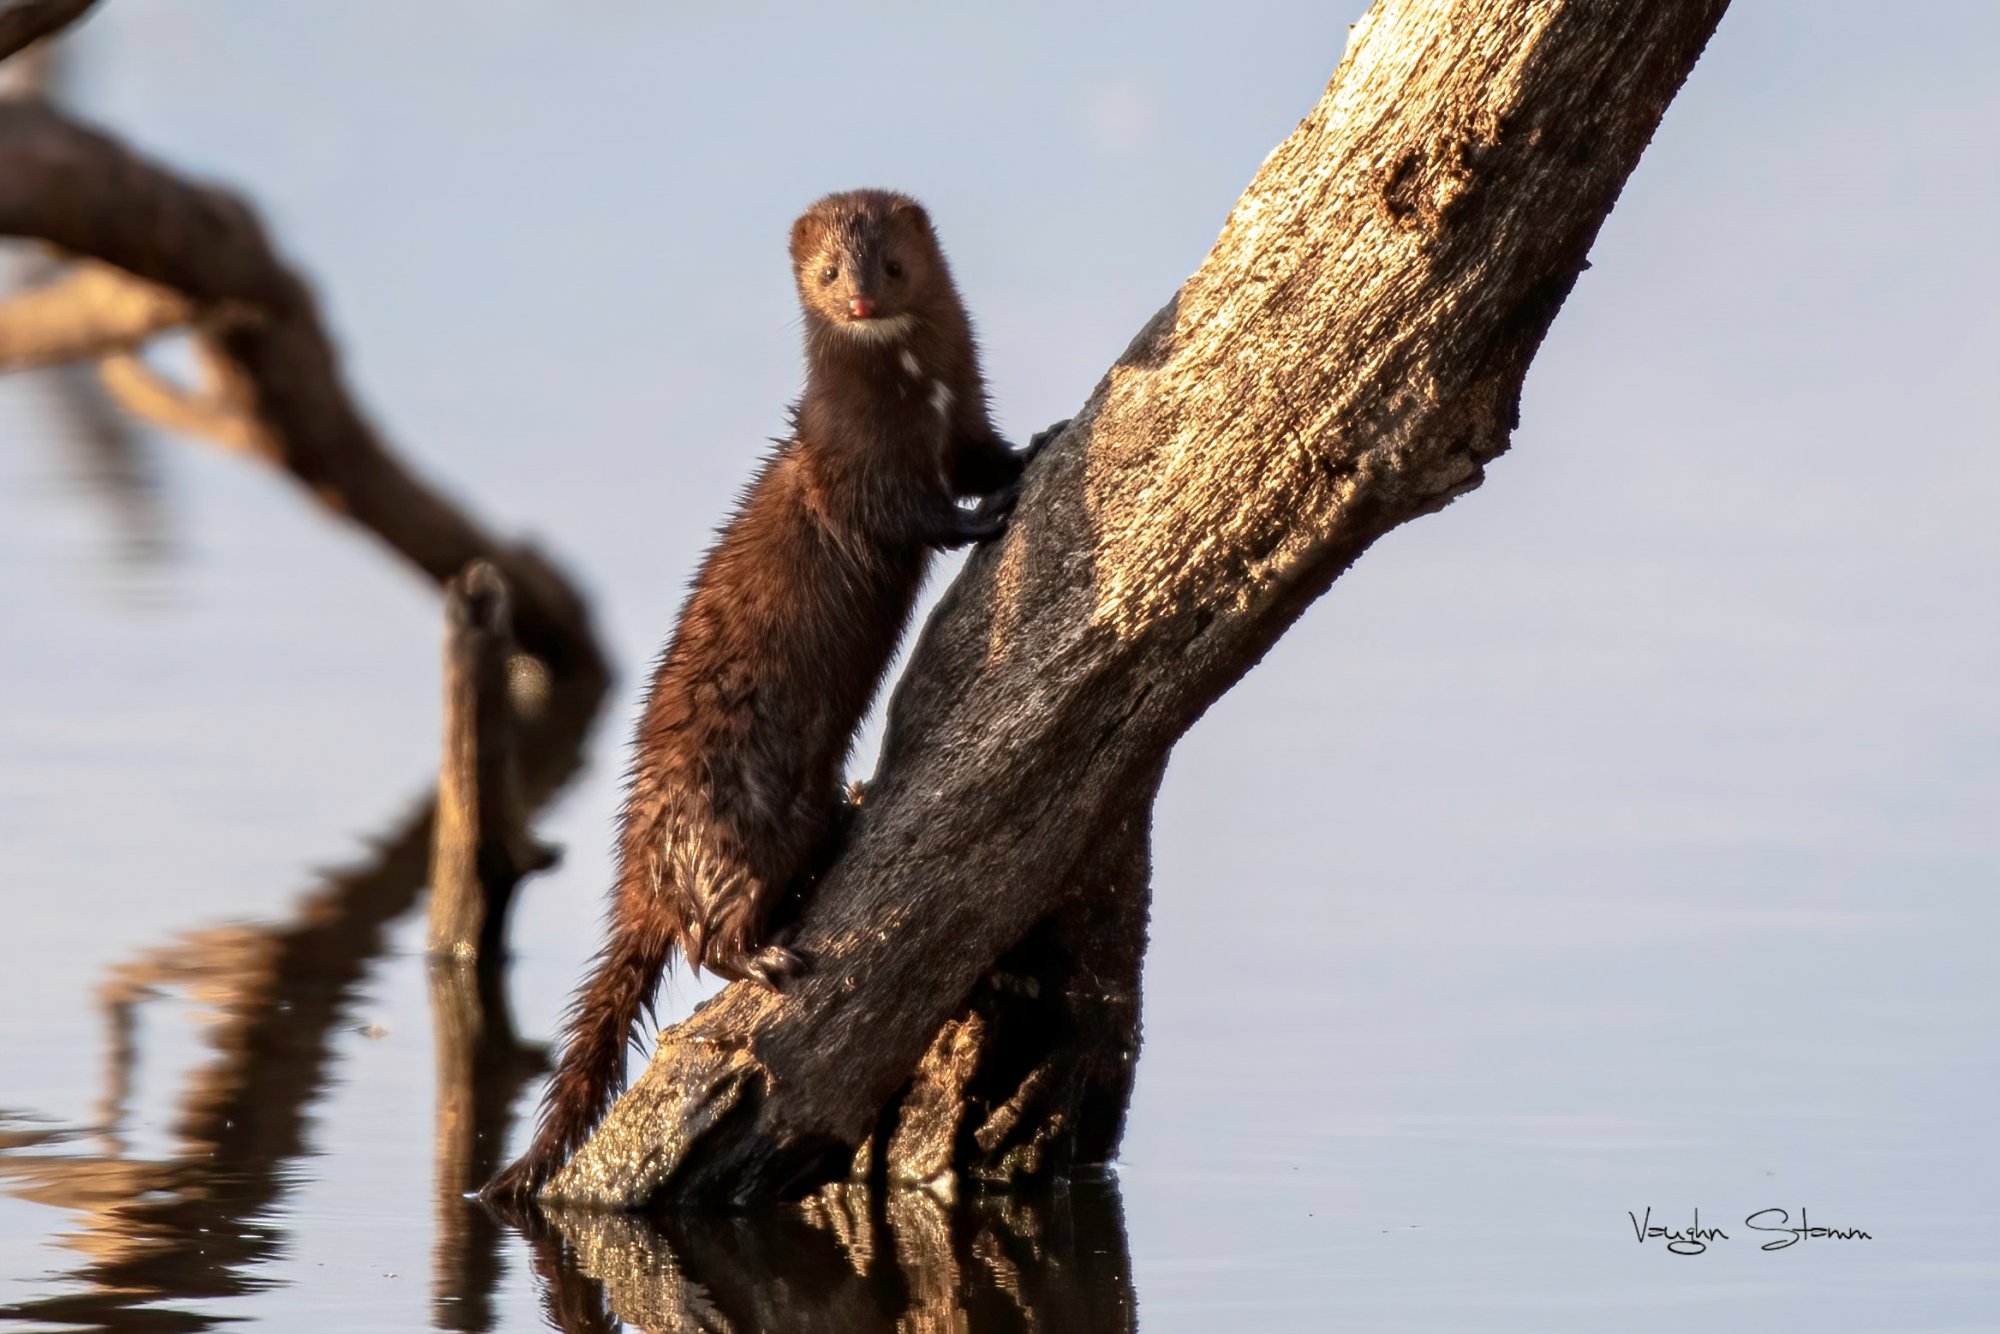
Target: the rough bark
(1348, 357)
(1032, 1078)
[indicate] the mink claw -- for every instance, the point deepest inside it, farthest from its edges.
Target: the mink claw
(774, 965)
(989, 517)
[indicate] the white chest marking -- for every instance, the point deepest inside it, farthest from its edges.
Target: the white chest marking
(941, 397)
(910, 362)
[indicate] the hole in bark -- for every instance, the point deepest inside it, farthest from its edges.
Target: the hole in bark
(1402, 192)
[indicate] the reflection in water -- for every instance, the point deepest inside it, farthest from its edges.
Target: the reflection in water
(163, 1235)
(166, 1237)
(482, 1068)
(192, 1226)
(850, 1261)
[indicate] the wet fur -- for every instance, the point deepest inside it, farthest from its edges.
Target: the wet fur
(735, 796)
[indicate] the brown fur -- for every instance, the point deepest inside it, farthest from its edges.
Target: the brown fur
(734, 795)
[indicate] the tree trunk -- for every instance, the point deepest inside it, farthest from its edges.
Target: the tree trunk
(1349, 357)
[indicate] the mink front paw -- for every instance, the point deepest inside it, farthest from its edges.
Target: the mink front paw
(991, 514)
(1040, 440)
(774, 965)
(981, 524)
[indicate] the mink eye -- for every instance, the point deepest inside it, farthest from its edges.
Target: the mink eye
(893, 269)
(828, 274)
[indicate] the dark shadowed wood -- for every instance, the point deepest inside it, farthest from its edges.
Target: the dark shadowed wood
(1349, 357)
(1032, 1079)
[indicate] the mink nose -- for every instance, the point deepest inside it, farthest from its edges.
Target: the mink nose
(861, 308)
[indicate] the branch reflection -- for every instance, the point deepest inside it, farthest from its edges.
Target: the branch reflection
(852, 1260)
(166, 1237)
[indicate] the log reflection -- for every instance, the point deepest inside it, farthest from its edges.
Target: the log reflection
(852, 1260)
(481, 1069)
(165, 1237)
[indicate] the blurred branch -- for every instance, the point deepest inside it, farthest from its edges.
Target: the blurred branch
(480, 851)
(152, 397)
(80, 190)
(103, 448)
(91, 311)
(24, 22)
(103, 443)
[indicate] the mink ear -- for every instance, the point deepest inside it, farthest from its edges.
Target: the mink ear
(801, 237)
(906, 207)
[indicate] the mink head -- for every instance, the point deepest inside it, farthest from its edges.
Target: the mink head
(868, 264)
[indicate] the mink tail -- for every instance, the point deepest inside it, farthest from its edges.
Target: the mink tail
(600, 1023)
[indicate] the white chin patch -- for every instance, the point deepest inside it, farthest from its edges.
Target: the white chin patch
(887, 329)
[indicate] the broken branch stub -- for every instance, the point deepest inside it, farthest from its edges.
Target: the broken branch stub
(482, 849)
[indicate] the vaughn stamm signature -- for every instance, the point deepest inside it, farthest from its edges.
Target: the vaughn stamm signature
(1776, 1223)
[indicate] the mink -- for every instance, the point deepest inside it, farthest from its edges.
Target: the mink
(735, 798)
